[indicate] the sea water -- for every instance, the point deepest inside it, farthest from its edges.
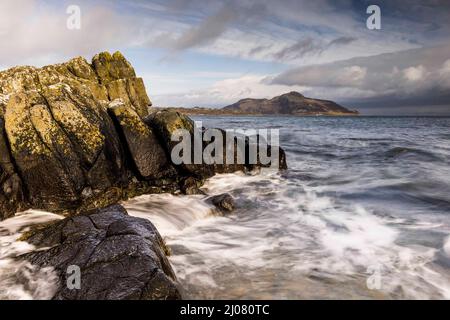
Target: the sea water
(363, 212)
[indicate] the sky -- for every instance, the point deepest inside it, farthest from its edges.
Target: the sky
(214, 53)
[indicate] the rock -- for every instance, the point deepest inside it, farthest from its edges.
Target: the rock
(11, 194)
(191, 186)
(147, 154)
(120, 257)
(119, 77)
(165, 123)
(58, 138)
(77, 136)
(224, 202)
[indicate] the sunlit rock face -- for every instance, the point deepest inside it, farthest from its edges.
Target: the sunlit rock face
(59, 146)
(78, 136)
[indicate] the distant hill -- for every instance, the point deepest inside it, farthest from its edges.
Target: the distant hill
(292, 103)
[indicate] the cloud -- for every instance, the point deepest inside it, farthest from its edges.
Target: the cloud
(211, 28)
(414, 74)
(309, 46)
(34, 32)
(231, 13)
(407, 74)
(225, 92)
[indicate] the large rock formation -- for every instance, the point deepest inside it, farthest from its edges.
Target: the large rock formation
(120, 257)
(60, 148)
(78, 135)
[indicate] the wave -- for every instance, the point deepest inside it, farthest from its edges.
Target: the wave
(283, 238)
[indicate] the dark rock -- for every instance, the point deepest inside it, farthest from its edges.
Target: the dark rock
(191, 186)
(147, 154)
(120, 257)
(165, 123)
(224, 202)
(11, 192)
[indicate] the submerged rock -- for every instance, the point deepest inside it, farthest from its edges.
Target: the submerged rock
(224, 202)
(120, 257)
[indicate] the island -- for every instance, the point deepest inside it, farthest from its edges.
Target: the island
(292, 103)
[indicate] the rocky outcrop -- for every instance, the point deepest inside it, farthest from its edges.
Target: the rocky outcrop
(119, 257)
(59, 146)
(77, 136)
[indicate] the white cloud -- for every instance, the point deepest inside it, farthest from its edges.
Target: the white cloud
(407, 73)
(34, 32)
(225, 92)
(414, 74)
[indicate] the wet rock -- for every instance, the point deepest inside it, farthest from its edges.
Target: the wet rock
(147, 154)
(224, 202)
(166, 123)
(120, 257)
(191, 186)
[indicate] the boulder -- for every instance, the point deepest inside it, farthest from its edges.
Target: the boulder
(149, 158)
(119, 257)
(166, 122)
(224, 202)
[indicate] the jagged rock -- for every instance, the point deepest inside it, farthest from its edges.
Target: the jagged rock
(57, 130)
(224, 202)
(120, 257)
(148, 155)
(77, 136)
(99, 78)
(166, 122)
(119, 78)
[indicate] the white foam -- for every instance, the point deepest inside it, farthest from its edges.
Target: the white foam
(19, 280)
(292, 234)
(170, 214)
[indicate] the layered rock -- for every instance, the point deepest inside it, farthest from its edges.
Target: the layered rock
(78, 136)
(119, 257)
(59, 146)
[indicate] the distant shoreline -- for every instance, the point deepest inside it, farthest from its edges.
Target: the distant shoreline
(221, 112)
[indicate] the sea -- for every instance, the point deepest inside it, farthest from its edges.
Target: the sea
(363, 212)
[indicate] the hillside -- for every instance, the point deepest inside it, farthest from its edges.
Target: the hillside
(292, 103)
